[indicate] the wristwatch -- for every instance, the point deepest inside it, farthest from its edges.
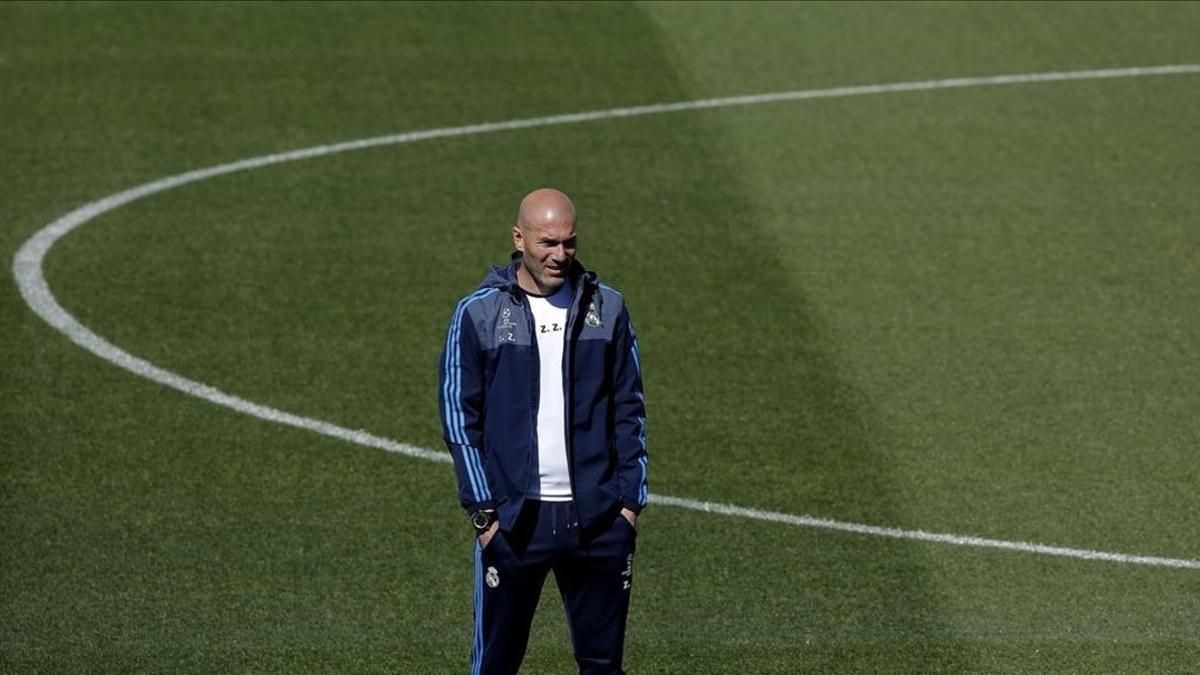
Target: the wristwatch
(482, 520)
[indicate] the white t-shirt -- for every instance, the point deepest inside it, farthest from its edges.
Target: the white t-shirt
(553, 482)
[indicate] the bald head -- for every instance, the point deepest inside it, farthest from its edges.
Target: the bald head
(545, 236)
(545, 206)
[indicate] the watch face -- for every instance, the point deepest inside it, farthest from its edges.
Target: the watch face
(481, 520)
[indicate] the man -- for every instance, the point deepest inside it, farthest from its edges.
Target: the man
(542, 410)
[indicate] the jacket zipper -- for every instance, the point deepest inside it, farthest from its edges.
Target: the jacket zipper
(568, 402)
(531, 468)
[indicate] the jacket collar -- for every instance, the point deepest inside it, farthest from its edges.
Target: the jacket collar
(505, 278)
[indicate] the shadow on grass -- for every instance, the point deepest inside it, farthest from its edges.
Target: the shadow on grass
(749, 405)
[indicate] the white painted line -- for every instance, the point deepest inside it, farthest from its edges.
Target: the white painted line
(918, 535)
(27, 268)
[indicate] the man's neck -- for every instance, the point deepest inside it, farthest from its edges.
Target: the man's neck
(530, 285)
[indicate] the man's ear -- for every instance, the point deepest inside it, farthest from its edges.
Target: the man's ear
(518, 240)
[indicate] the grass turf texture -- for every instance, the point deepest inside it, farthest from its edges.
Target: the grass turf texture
(966, 311)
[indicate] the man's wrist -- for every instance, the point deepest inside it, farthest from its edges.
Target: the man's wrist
(482, 520)
(629, 514)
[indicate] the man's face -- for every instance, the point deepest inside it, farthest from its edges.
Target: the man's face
(547, 251)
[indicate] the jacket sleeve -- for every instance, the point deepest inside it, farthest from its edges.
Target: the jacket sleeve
(462, 410)
(629, 407)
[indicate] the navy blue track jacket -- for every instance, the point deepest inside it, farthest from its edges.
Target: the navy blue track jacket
(489, 399)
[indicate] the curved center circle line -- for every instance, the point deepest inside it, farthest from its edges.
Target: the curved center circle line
(27, 269)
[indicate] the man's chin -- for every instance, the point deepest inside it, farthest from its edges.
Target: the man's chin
(549, 283)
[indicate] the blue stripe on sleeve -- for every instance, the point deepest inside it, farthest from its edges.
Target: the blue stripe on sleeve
(455, 372)
(453, 368)
(446, 379)
(472, 474)
(643, 461)
(644, 491)
(474, 461)
(477, 645)
(462, 427)
(451, 393)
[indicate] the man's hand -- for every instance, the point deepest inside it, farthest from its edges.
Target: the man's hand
(630, 516)
(486, 537)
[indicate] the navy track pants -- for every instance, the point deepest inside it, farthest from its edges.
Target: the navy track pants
(594, 572)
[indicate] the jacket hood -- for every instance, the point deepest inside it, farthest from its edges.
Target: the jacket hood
(505, 278)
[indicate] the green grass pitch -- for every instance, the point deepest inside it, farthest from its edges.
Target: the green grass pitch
(970, 311)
